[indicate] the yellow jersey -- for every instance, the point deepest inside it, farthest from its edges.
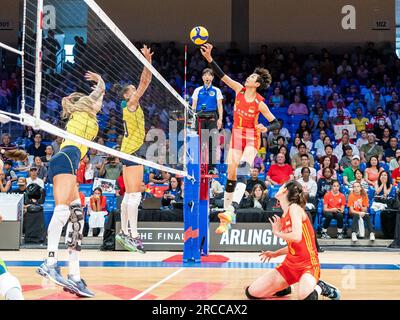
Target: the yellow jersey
(134, 130)
(82, 125)
(359, 123)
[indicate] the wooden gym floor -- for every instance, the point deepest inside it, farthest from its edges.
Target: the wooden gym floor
(123, 275)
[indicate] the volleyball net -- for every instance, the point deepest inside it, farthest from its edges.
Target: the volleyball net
(62, 40)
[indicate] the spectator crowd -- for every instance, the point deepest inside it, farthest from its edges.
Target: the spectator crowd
(340, 126)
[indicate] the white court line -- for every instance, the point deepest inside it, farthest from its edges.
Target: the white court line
(140, 295)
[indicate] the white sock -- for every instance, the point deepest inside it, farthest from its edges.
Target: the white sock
(228, 197)
(239, 192)
(133, 210)
(339, 230)
(318, 289)
(325, 230)
(74, 270)
(14, 294)
(60, 217)
(124, 214)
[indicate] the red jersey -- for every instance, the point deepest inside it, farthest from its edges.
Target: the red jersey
(304, 253)
(245, 113)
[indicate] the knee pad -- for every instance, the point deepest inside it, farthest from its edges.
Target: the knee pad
(75, 234)
(230, 186)
(312, 296)
(7, 282)
(243, 172)
(249, 296)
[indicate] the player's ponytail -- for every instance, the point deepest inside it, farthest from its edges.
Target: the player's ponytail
(16, 155)
(264, 78)
(78, 102)
(296, 193)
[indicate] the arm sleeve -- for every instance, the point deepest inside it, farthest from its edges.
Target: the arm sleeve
(97, 93)
(274, 125)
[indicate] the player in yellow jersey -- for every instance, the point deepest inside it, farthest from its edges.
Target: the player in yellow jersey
(132, 172)
(81, 111)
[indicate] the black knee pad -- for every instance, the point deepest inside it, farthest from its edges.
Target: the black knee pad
(230, 186)
(312, 296)
(249, 296)
(284, 292)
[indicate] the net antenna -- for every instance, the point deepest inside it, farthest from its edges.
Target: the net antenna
(101, 47)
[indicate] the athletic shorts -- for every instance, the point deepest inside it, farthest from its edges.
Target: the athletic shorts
(66, 161)
(242, 138)
(292, 275)
(3, 268)
(131, 163)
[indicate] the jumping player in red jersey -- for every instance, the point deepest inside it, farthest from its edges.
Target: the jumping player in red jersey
(301, 264)
(245, 139)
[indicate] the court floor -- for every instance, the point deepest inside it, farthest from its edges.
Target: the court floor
(123, 275)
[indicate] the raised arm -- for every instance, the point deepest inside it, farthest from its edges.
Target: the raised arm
(206, 52)
(145, 80)
(100, 87)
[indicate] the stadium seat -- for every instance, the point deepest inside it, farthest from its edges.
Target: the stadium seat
(49, 190)
(340, 178)
(371, 194)
(86, 189)
(23, 174)
(273, 190)
(363, 166)
(385, 166)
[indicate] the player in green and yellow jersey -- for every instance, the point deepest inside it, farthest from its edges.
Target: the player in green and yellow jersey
(81, 111)
(134, 125)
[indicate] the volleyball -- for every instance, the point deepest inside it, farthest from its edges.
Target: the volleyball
(199, 35)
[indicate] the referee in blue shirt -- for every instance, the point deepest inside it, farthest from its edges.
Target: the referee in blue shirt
(207, 102)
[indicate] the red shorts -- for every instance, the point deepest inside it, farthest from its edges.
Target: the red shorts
(292, 275)
(242, 138)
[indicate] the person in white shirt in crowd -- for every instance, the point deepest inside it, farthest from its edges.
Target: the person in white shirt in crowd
(305, 163)
(307, 140)
(314, 87)
(320, 142)
(33, 178)
(343, 68)
(362, 140)
(326, 141)
(380, 118)
(338, 151)
(334, 112)
(394, 163)
(309, 185)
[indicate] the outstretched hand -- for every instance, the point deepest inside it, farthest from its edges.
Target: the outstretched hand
(206, 51)
(276, 224)
(265, 256)
(91, 76)
(147, 53)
